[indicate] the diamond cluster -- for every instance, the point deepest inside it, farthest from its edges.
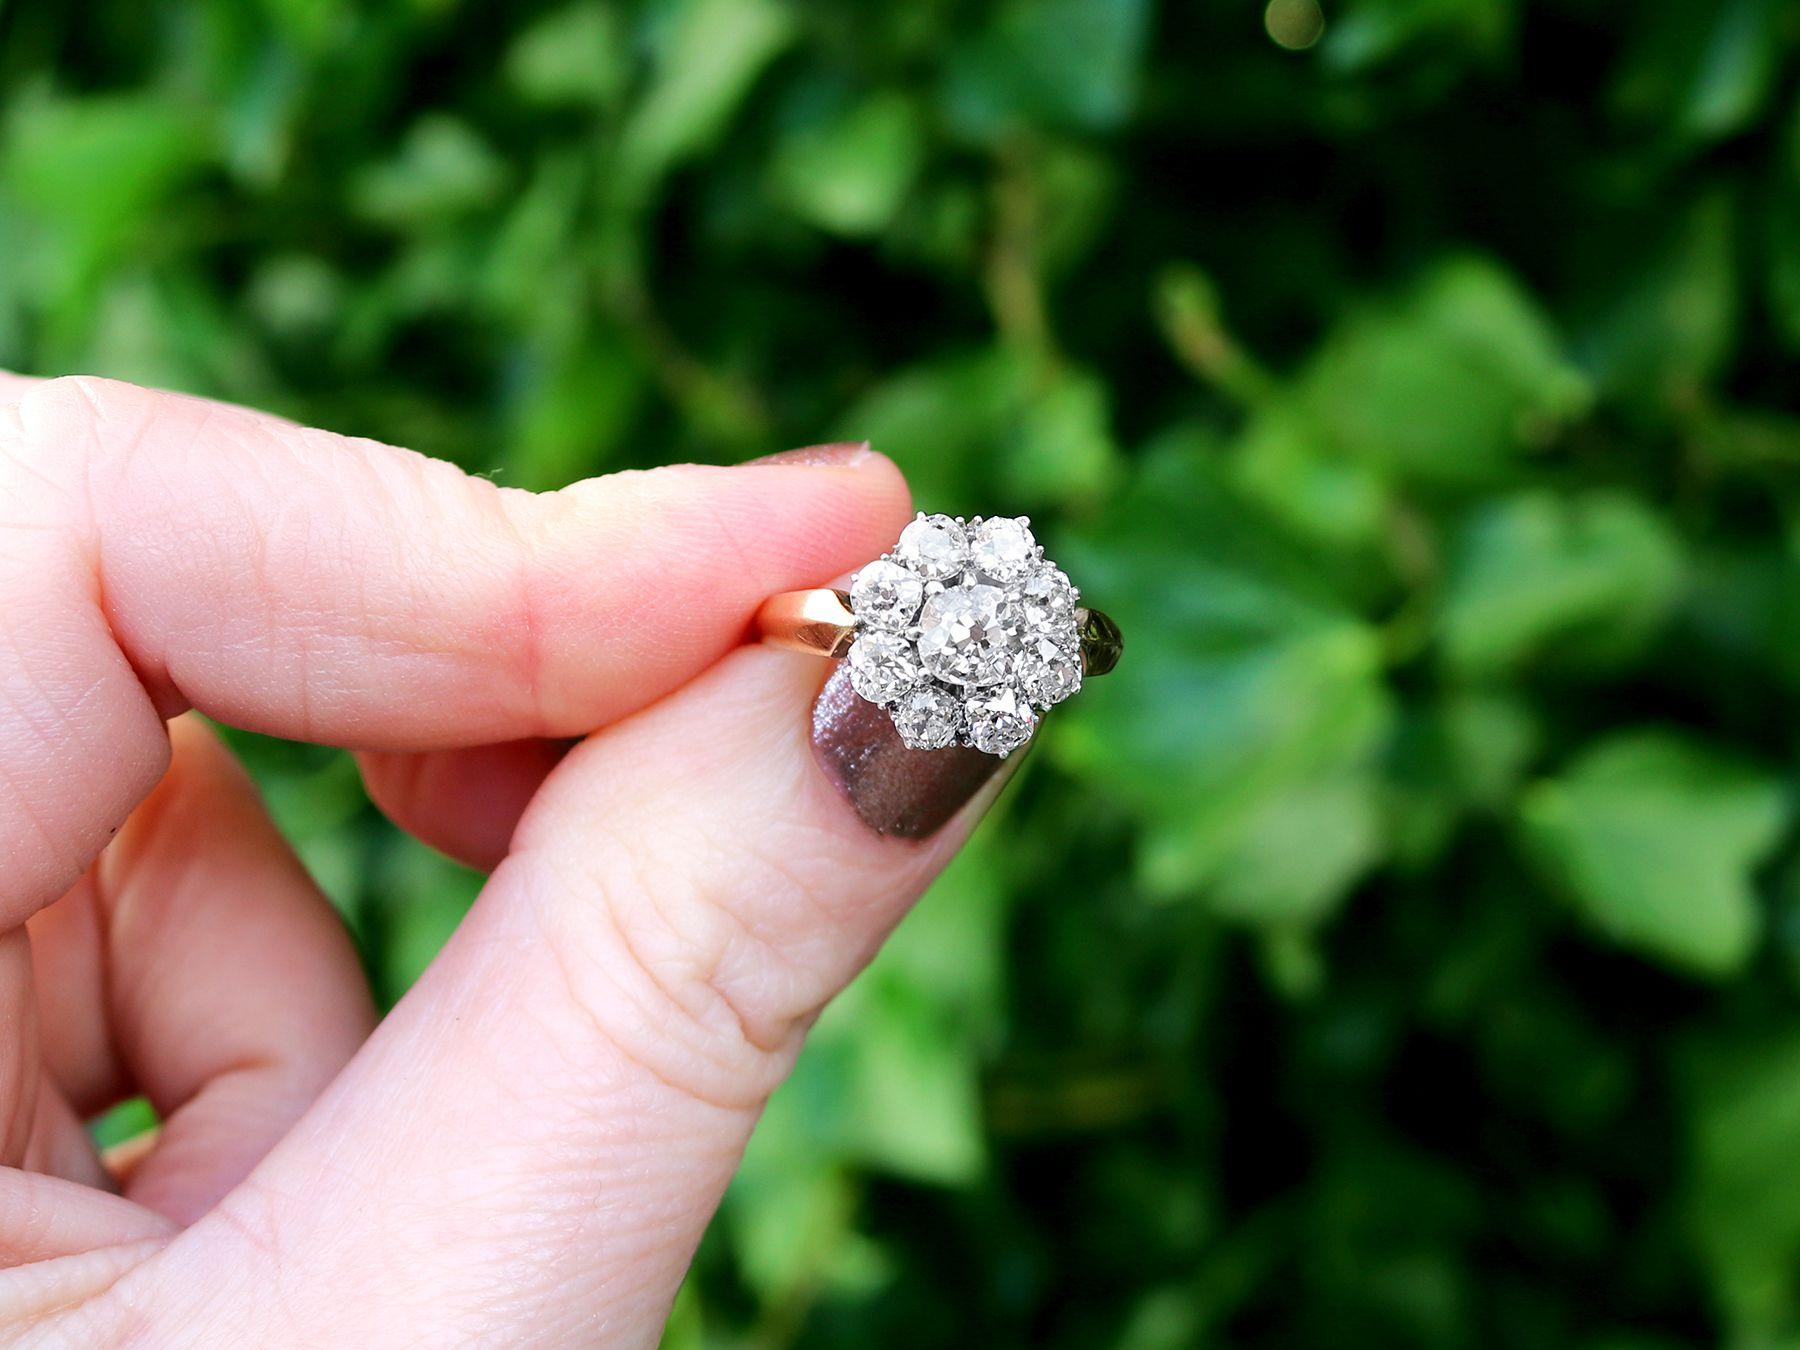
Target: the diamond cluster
(964, 633)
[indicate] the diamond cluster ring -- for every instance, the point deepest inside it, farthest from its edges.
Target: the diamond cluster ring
(964, 632)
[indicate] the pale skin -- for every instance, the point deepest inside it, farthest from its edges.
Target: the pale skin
(528, 1148)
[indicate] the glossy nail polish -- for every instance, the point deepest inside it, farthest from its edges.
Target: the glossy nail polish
(835, 454)
(895, 790)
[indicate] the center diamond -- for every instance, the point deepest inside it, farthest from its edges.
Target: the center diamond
(969, 634)
(965, 632)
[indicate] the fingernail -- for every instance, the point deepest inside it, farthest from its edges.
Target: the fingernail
(836, 454)
(895, 790)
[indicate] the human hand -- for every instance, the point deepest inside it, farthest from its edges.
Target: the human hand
(529, 1146)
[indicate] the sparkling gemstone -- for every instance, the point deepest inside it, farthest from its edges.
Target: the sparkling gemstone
(966, 633)
(1046, 598)
(1000, 722)
(927, 717)
(886, 595)
(1051, 678)
(1003, 548)
(883, 666)
(969, 634)
(935, 547)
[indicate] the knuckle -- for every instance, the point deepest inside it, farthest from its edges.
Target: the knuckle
(535, 597)
(660, 965)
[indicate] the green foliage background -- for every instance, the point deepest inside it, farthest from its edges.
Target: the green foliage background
(1403, 948)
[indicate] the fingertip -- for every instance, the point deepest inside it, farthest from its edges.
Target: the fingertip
(861, 504)
(465, 803)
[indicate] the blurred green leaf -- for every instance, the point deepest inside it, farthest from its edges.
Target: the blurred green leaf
(441, 169)
(901, 1044)
(91, 164)
(705, 56)
(1465, 753)
(915, 1089)
(1300, 851)
(1252, 683)
(1372, 33)
(1744, 1106)
(850, 174)
(85, 174)
(889, 1080)
(1781, 230)
(1703, 71)
(1744, 616)
(1489, 740)
(529, 273)
(1076, 192)
(296, 296)
(686, 1329)
(309, 24)
(938, 420)
(573, 412)
(1664, 318)
(123, 1123)
(578, 55)
(789, 1217)
(1071, 63)
(1285, 462)
(1061, 447)
(1578, 580)
(1448, 387)
(1654, 837)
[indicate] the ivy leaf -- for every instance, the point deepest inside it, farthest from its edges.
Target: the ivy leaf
(1703, 71)
(1253, 684)
(1064, 63)
(1744, 1109)
(442, 168)
(1587, 579)
(1448, 387)
(1060, 447)
(576, 55)
(707, 55)
(85, 174)
(1298, 855)
(850, 174)
(1664, 310)
(1654, 837)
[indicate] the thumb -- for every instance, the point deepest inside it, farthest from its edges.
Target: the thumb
(533, 1142)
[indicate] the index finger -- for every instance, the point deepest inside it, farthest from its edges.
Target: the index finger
(160, 552)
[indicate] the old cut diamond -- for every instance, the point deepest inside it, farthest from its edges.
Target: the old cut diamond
(927, 717)
(886, 595)
(1003, 548)
(883, 666)
(969, 634)
(1049, 678)
(1000, 722)
(1046, 598)
(935, 547)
